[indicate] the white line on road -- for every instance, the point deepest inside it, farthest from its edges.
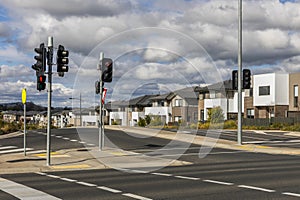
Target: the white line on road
(109, 189)
(58, 136)
(23, 192)
(218, 182)
(65, 138)
(15, 150)
(138, 171)
(41, 173)
(188, 178)
(291, 194)
(256, 188)
(74, 140)
(86, 184)
(135, 196)
(161, 174)
(52, 176)
(7, 147)
(68, 180)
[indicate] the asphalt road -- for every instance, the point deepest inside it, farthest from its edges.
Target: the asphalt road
(222, 174)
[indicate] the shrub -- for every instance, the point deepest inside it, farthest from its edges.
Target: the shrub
(216, 115)
(142, 122)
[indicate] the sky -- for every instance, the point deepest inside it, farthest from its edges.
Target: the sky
(158, 46)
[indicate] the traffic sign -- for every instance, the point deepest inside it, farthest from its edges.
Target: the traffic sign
(24, 95)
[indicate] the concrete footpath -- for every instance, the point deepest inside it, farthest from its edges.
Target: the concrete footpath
(91, 158)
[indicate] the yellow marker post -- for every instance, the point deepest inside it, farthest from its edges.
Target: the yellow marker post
(24, 103)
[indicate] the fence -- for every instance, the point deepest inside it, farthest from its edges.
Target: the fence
(271, 121)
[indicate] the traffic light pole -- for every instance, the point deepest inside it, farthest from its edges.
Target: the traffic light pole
(239, 132)
(50, 59)
(101, 126)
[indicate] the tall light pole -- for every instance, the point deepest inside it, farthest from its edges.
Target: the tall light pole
(239, 133)
(79, 107)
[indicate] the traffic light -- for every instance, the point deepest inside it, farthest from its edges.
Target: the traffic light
(235, 79)
(62, 60)
(40, 65)
(107, 69)
(97, 86)
(246, 79)
(41, 85)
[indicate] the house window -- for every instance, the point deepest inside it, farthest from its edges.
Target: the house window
(212, 94)
(296, 96)
(250, 113)
(178, 102)
(195, 116)
(264, 90)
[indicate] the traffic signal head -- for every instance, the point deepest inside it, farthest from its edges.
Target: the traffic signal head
(97, 87)
(41, 85)
(107, 69)
(62, 59)
(235, 79)
(246, 79)
(40, 65)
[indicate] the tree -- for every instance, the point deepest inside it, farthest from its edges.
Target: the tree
(216, 115)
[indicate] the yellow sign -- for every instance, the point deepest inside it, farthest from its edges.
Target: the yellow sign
(24, 96)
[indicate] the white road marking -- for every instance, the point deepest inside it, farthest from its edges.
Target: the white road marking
(52, 176)
(65, 138)
(86, 184)
(188, 178)
(59, 136)
(7, 147)
(139, 171)
(135, 196)
(23, 192)
(218, 182)
(161, 174)
(109, 189)
(74, 140)
(68, 179)
(291, 194)
(256, 188)
(15, 150)
(82, 142)
(41, 173)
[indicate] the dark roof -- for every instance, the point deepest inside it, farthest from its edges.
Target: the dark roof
(187, 93)
(220, 86)
(141, 101)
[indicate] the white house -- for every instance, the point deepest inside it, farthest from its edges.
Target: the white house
(271, 95)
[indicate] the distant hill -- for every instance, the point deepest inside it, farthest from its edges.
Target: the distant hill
(18, 106)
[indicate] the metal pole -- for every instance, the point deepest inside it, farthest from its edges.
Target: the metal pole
(80, 109)
(24, 129)
(101, 131)
(239, 134)
(50, 57)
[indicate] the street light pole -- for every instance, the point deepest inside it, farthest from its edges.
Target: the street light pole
(239, 133)
(79, 107)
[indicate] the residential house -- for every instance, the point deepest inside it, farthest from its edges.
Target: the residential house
(185, 105)
(162, 107)
(270, 96)
(218, 95)
(294, 103)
